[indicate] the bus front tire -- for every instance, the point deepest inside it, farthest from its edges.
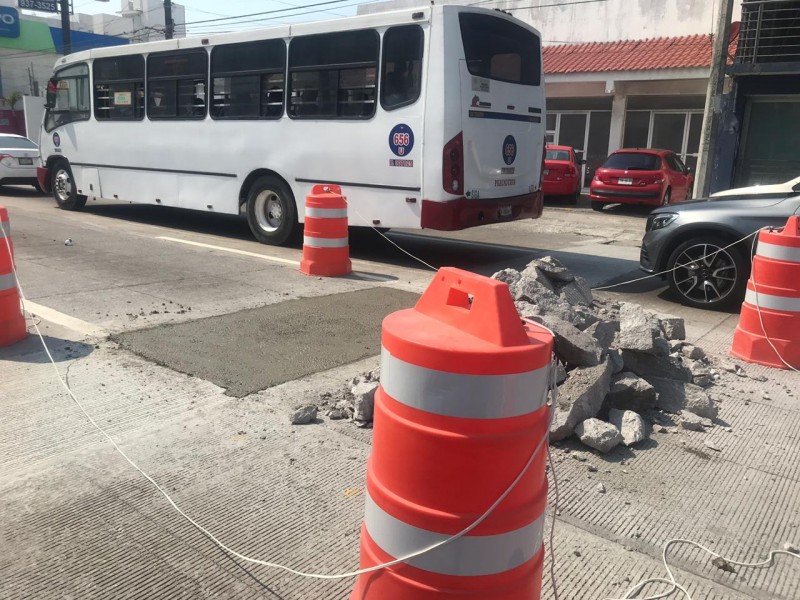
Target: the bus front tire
(271, 211)
(63, 186)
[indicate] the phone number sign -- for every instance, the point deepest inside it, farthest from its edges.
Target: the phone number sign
(50, 6)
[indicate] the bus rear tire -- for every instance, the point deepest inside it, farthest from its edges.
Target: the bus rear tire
(271, 211)
(63, 186)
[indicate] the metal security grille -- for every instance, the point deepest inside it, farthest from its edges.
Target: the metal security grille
(770, 32)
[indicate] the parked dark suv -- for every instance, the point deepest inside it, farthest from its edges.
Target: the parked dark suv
(690, 241)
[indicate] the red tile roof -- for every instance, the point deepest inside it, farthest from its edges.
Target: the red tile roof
(636, 55)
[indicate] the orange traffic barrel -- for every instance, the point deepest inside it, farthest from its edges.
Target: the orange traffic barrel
(460, 410)
(770, 317)
(326, 249)
(12, 319)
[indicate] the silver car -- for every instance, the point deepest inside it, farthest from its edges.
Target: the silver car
(691, 242)
(19, 158)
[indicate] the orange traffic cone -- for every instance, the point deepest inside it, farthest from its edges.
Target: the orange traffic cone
(460, 408)
(770, 317)
(12, 319)
(326, 250)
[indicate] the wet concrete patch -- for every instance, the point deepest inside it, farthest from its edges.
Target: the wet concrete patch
(251, 350)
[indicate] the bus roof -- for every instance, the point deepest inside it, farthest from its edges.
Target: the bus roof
(421, 14)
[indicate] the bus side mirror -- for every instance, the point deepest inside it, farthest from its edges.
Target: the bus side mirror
(50, 100)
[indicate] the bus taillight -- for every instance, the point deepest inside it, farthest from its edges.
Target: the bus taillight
(453, 165)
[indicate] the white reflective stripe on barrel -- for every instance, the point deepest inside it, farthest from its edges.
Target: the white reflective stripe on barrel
(316, 242)
(326, 213)
(466, 396)
(777, 252)
(470, 555)
(770, 302)
(7, 282)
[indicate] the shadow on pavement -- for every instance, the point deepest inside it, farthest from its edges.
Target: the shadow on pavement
(30, 350)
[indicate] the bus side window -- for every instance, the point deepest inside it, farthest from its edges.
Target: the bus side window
(177, 84)
(119, 88)
(401, 72)
(248, 80)
(334, 75)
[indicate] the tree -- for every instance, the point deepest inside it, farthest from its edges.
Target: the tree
(12, 99)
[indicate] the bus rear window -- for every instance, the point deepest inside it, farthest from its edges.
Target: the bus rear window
(499, 49)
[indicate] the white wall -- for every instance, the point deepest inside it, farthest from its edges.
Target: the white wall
(34, 111)
(608, 21)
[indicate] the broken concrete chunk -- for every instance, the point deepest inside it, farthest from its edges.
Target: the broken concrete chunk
(303, 415)
(533, 273)
(561, 374)
(553, 268)
(616, 360)
(703, 381)
(648, 365)
(509, 276)
(675, 396)
(603, 332)
(693, 352)
(598, 434)
(573, 346)
(661, 347)
(630, 425)
(576, 292)
(638, 330)
(628, 391)
(580, 398)
(672, 326)
(600, 488)
(364, 400)
(689, 420)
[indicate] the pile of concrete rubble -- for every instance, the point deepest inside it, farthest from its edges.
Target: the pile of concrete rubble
(620, 366)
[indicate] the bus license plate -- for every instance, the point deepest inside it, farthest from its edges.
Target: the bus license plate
(26, 161)
(626, 181)
(505, 211)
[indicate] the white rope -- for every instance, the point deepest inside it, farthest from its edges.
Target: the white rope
(676, 586)
(392, 242)
(266, 563)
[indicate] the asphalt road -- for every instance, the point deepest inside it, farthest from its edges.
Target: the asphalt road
(136, 266)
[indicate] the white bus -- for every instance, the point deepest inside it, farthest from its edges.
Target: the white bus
(427, 118)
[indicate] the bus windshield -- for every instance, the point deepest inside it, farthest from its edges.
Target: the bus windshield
(496, 48)
(68, 97)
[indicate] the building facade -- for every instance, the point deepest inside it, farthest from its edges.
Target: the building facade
(760, 116)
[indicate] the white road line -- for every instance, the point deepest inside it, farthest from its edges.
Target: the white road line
(64, 320)
(285, 261)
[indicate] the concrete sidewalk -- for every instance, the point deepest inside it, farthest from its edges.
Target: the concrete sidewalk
(79, 522)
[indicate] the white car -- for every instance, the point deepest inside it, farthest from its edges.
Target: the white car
(778, 190)
(19, 158)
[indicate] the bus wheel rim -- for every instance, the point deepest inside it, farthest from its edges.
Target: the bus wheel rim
(63, 185)
(269, 211)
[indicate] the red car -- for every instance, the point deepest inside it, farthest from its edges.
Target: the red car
(562, 172)
(656, 177)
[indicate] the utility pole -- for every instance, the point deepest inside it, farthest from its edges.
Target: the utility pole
(170, 24)
(716, 86)
(66, 38)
